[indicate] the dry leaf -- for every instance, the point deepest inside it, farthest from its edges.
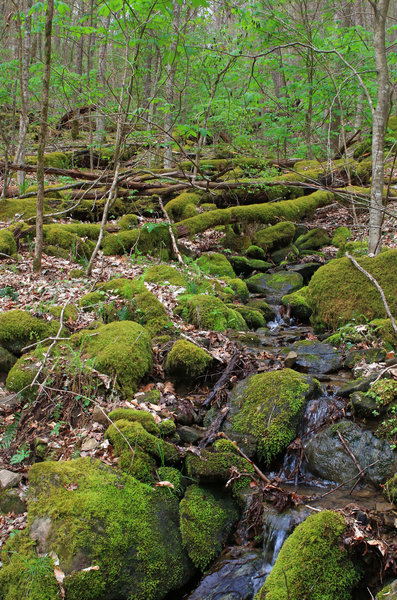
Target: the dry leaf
(168, 388)
(95, 568)
(165, 484)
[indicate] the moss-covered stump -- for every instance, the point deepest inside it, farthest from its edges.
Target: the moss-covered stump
(266, 410)
(313, 240)
(311, 563)
(208, 312)
(206, 520)
(120, 349)
(276, 236)
(186, 361)
(19, 329)
(338, 292)
(8, 245)
(298, 304)
(163, 274)
(275, 285)
(216, 264)
(183, 206)
(244, 266)
(90, 515)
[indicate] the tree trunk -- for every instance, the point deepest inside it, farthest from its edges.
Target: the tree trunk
(38, 251)
(379, 122)
(169, 85)
(24, 62)
(100, 134)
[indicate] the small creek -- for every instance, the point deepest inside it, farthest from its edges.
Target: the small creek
(241, 570)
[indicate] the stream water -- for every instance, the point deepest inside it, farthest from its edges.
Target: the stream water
(241, 570)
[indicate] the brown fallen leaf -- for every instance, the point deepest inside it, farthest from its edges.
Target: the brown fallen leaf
(164, 484)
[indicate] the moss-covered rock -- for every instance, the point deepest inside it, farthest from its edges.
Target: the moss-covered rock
(122, 350)
(300, 308)
(163, 274)
(186, 361)
(239, 287)
(70, 312)
(359, 248)
(183, 206)
(276, 236)
(146, 419)
(266, 410)
(19, 329)
(315, 357)
(255, 252)
(7, 360)
(244, 266)
(215, 467)
(205, 522)
(384, 330)
(22, 374)
(254, 318)
(208, 312)
(338, 292)
(313, 239)
(258, 304)
(275, 285)
(341, 236)
(153, 239)
(216, 264)
(94, 516)
(128, 222)
(389, 592)
(59, 237)
(174, 477)
(312, 564)
(8, 245)
(59, 160)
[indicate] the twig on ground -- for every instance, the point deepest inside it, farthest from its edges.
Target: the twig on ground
(173, 240)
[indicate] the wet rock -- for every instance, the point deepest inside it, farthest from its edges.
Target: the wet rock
(245, 266)
(328, 458)
(364, 406)
(369, 355)
(190, 435)
(306, 270)
(234, 576)
(276, 285)
(290, 359)
(8, 479)
(316, 357)
(362, 384)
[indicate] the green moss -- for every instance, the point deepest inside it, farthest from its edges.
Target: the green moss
(173, 476)
(311, 563)
(14, 207)
(146, 419)
(70, 312)
(253, 318)
(19, 329)
(24, 574)
(211, 467)
(92, 300)
(207, 206)
(261, 305)
(341, 235)
(8, 244)
(268, 407)
(255, 252)
(338, 292)
(384, 329)
(77, 274)
(128, 222)
(59, 160)
(138, 437)
(239, 287)
(205, 522)
(163, 274)
(208, 312)
(154, 240)
(276, 236)
(245, 266)
(390, 490)
(224, 445)
(58, 236)
(183, 206)
(215, 264)
(139, 464)
(359, 248)
(186, 361)
(121, 350)
(313, 239)
(151, 313)
(167, 428)
(300, 308)
(103, 517)
(237, 242)
(21, 375)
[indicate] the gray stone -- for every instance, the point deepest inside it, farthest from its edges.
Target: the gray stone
(328, 458)
(316, 357)
(98, 416)
(290, 359)
(369, 355)
(89, 444)
(190, 435)
(8, 479)
(364, 406)
(275, 285)
(306, 270)
(10, 502)
(40, 532)
(362, 384)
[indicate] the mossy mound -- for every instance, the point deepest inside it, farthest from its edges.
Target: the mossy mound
(183, 206)
(122, 350)
(244, 266)
(70, 312)
(275, 285)
(10, 208)
(300, 308)
(98, 517)
(253, 318)
(341, 236)
(22, 374)
(135, 434)
(59, 160)
(238, 286)
(384, 330)
(153, 239)
(163, 274)
(208, 312)
(216, 264)
(19, 329)
(128, 222)
(276, 236)
(313, 240)
(215, 467)
(59, 237)
(186, 361)
(255, 252)
(205, 522)
(150, 312)
(311, 563)
(266, 410)
(7, 360)
(24, 574)
(338, 292)
(8, 244)
(146, 419)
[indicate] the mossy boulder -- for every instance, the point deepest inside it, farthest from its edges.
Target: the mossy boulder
(163, 274)
(239, 287)
(216, 264)
(91, 515)
(244, 266)
(254, 318)
(183, 206)
(312, 564)
(313, 239)
(258, 304)
(8, 244)
(128, 222)
(266, 410)
(208, 312)
(153, 239)
(186, 361)
(59, 237)
(338, 292)
(255, 252)
(341, 236)
(275, 236)
(120, 349)
(315, 357)
(7, 360)
(19, 329)
(58, 160)
(215, 467)
(275, 285)
(146, 419)
(299, 306)
(22, 374)
(206, 520)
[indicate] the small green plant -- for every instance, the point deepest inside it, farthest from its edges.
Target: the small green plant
(20, 455)
(8, 292)
(384, 392)
(10, 432)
